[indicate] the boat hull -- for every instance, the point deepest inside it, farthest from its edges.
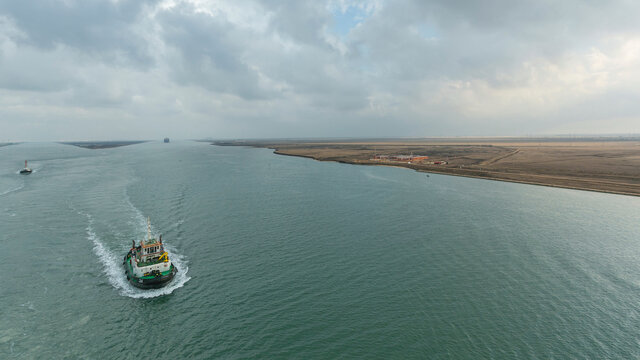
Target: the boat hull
(25, 172)
(155, 282)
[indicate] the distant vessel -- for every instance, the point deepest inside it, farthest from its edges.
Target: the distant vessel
(26, 170)
(147, 265)
(166, 140)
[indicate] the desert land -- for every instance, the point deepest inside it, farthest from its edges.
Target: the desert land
(604, 164)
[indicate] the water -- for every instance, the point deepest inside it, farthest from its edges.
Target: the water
(284, 257)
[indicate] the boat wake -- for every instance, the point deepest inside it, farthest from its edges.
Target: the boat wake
(370, 175)
(140, 221)
(113, 269)
(11, 190)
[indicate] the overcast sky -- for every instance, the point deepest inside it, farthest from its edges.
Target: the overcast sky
(132, 69)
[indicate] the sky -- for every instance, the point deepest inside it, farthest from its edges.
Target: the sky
(140, 69)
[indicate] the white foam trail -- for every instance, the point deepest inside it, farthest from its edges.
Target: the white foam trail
(142, 221)
(175, 225)
(12, 190)
(110, 262)
(116, 274)
(377, 177)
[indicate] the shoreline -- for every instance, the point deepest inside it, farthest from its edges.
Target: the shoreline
(95, 145)
(587, 165)
(441, 172)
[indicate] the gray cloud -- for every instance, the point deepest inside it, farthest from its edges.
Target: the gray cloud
(267, 68)
(97, 27)
(209, 52)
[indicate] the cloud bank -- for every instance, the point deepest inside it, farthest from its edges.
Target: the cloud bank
(128, 69)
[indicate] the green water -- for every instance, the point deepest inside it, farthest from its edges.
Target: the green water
(283, 257)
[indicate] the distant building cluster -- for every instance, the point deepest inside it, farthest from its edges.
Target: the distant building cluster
(400, 157)
(423, 159)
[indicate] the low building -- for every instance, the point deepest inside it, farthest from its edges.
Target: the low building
(402, 158)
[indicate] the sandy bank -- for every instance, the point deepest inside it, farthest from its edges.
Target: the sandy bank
(593, 164)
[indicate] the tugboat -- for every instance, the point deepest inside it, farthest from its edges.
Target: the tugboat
(26, 170)
(147, 265)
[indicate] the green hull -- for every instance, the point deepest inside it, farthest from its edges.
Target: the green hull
(155, 281)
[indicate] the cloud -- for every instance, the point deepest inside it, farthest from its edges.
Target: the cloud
(208, 51)
(253, 68)
(100, 28)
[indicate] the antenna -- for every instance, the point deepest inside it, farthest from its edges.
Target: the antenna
(148, 229)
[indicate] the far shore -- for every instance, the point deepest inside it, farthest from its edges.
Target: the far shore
(610, 165)
(101, 144)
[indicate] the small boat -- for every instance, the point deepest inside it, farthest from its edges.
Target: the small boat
(26, 170)
(147, 265)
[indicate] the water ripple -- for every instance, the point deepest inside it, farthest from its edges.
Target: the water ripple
(115, 273)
